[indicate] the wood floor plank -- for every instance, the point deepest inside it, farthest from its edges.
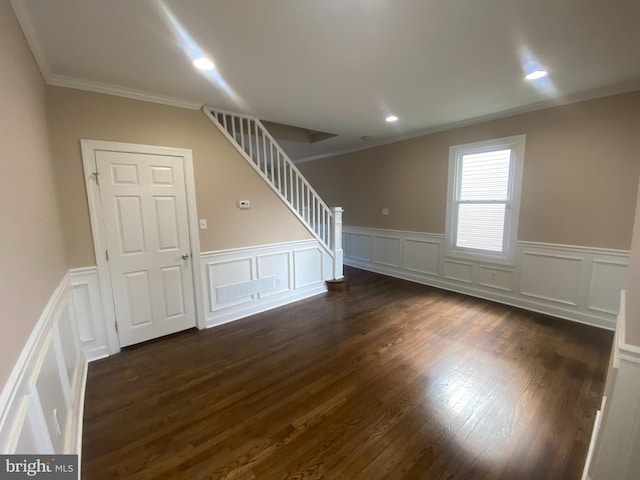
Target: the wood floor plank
(388, 380)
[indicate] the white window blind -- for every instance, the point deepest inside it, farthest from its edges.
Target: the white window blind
(482, 200)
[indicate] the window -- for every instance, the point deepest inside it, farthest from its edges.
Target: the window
(483, 199)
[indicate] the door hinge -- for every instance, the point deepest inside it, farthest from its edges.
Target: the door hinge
(106, 255)
(116, 324)
(96, 176)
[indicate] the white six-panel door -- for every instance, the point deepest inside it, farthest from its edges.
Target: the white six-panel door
(144, 209)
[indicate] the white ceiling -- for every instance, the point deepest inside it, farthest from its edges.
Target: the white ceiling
(340, 66)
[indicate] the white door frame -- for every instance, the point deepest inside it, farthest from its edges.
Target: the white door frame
(89, 148)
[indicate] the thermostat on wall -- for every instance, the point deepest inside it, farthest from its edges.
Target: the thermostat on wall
(244, 204)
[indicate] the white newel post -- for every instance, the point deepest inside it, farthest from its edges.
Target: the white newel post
(336, 242)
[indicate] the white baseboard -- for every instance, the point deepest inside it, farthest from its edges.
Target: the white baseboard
(256, 308)
(576, 283)
(42, 403)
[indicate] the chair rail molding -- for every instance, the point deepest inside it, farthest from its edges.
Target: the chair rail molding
(577, 283)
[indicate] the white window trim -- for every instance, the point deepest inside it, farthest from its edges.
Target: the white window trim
(516, 143)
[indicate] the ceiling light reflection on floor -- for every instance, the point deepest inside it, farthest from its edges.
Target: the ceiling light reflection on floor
(483, 419)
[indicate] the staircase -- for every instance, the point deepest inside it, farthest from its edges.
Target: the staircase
(263, 153)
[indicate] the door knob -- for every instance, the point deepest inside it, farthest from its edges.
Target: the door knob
(185, 256)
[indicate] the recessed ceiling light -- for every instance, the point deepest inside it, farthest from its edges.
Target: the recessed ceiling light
(536, 74)
(391, 119)
(203, 63)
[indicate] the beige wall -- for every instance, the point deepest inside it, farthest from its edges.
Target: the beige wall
(581, 169)
(222, 176)
(32, 262)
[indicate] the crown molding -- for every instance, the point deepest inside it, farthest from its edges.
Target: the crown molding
(99, 87)
(24, 20)
(555, 102)
(21, 12)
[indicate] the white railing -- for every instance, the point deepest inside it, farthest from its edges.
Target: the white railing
(262, 151)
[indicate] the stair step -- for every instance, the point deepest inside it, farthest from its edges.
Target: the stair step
(341, 285)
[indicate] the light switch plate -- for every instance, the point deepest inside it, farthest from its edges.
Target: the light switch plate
(385, 211)
(203, 224)
(244, 204)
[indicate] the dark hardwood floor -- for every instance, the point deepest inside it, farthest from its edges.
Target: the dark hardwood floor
(388, 380)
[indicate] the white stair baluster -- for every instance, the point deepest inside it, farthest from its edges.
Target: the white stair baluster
(290, 197)
(264, 152)
(273, 172)
(279, 170)
(233, 129)
(242, 134)
(284, 176)
(250, 138)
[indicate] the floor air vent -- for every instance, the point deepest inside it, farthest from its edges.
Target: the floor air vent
(243, 289)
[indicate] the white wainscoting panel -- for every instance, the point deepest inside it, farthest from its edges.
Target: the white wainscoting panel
(69, 341)
(387, 251)
(572, 282)
(41, 405)
(270, 275)
(308, 267)
(496, 277)
(607, 280)
(560, 287)
(359, 246)
(277, 265)
(50, 384)
(422, 256)
(458, 271)
(90, 320)
(29, 425)
(228, 279)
